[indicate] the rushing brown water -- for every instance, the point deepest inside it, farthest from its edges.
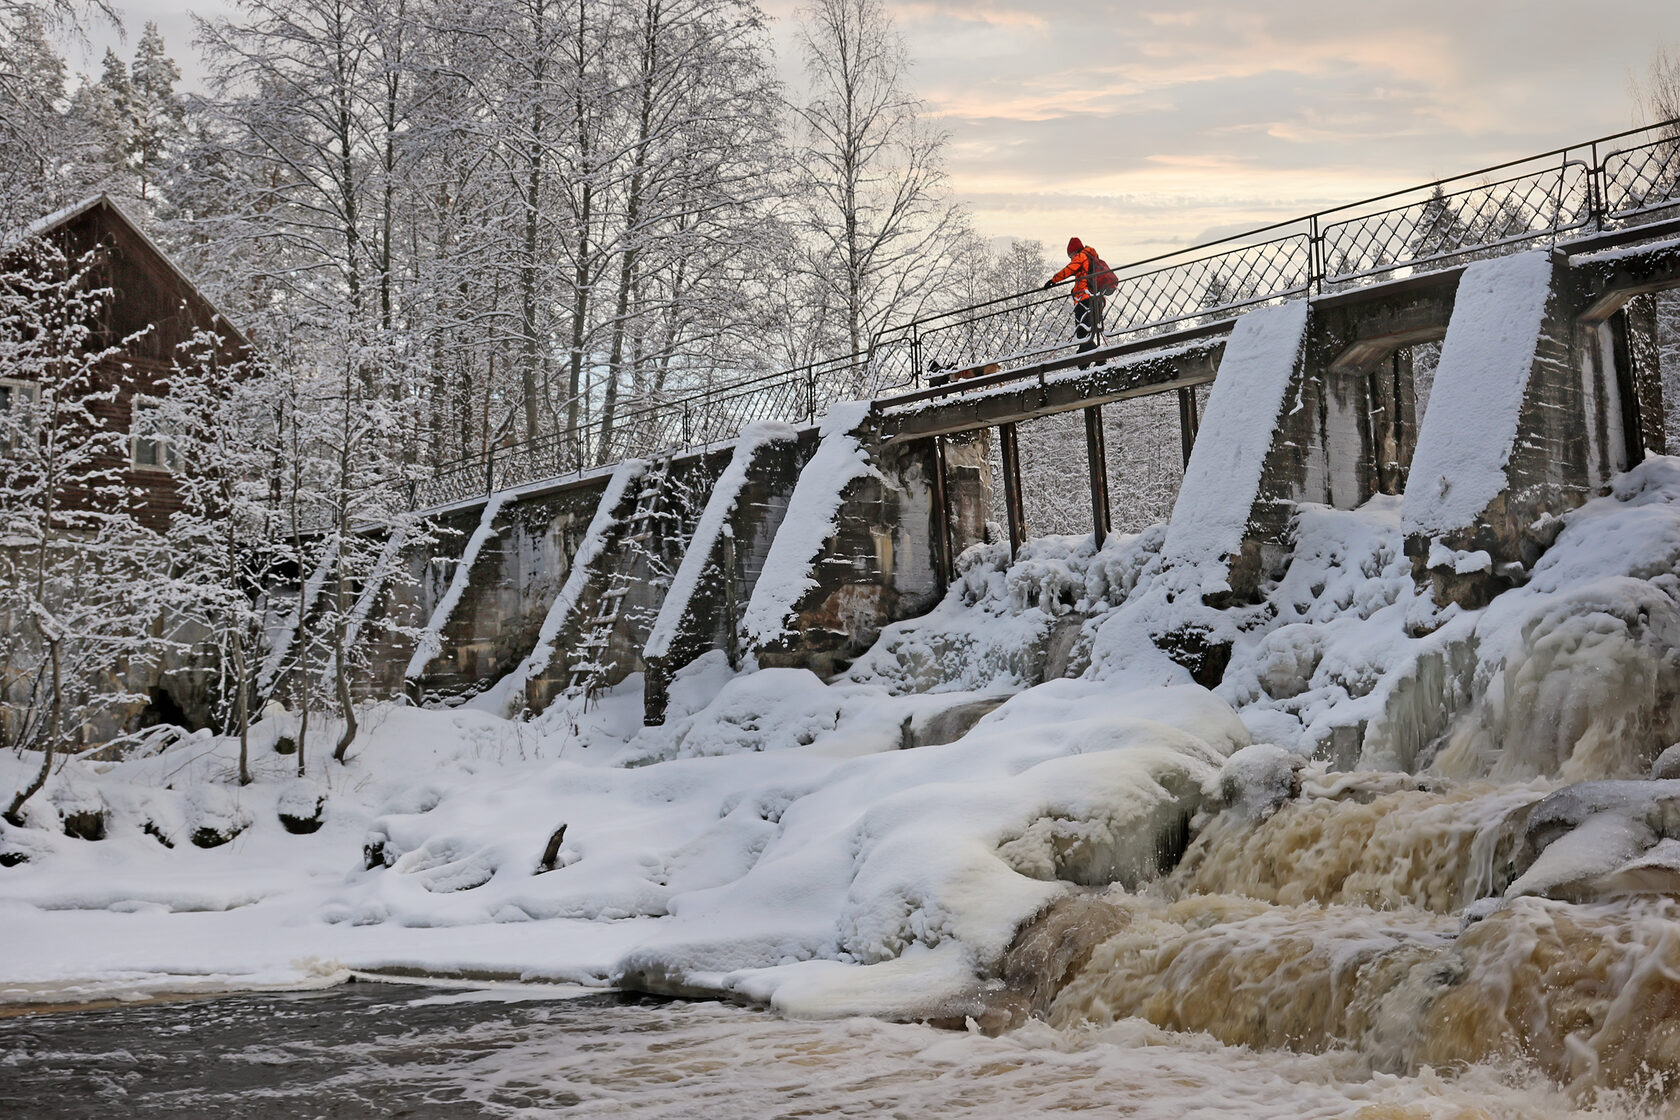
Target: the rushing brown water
(1348, 920)
(380, 1051)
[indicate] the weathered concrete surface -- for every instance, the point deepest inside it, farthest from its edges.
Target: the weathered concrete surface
(881, 563)
(1216, 536)
(603, 635)
(727, 554)
(1569, 437)
(1349, 426)
(516, 576)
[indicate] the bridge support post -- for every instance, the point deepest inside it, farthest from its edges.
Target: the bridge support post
(1633, 335)
(942, 545)
(1187, 422)
(1096, 459)
(1012, 503)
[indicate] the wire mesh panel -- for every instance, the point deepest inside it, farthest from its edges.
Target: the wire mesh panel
(1205, 285)
(1010, 332)
(1642, 178)
(1440, 224)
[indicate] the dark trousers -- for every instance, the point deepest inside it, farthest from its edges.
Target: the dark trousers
(1087, 321)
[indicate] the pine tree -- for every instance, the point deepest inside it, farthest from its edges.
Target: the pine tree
(1439, 230)
(33, 142)
(158, 113)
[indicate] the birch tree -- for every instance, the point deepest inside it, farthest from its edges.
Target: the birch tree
(876, 209)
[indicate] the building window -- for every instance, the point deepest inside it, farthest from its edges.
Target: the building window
(17, 399)
(154, 446)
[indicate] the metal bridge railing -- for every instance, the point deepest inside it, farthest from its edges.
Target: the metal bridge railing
(1614, 182)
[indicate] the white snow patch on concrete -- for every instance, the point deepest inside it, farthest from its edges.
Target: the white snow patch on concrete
(810, 522)
(431, 638)
(713, 523)
(1223, 477)
(505, 694)
(1466, 436)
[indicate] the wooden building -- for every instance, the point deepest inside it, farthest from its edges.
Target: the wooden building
(152, 309)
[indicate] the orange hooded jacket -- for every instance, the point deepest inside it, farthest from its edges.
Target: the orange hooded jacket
(1079, 268)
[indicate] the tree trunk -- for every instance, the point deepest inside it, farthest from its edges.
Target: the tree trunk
(242, 707)
(55, 721)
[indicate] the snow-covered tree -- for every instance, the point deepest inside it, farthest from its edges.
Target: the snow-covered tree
(223, 542)
(157, 112)
(876, 211)
(79, 591)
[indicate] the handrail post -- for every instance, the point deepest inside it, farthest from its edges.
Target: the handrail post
(1316, 267)
(1598, 189)
(810, 394)
(915, 357)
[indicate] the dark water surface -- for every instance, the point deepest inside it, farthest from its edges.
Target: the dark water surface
(361, 1050)
(380, 1050)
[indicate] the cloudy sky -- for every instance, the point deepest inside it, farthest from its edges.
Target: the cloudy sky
(1145, 126)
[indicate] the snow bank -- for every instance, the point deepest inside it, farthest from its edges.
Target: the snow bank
(996, 625)
(784, 874)
(431, 638)
(1223, 476)
(714, 522)
(1466, 436)
(507, 694)
(902, 876)
(809, 523)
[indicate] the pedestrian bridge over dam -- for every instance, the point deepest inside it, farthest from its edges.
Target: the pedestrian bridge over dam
(788, 519)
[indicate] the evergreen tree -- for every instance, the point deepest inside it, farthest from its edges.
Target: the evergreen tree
(1439, 230)
(34, 144)
(158, 113)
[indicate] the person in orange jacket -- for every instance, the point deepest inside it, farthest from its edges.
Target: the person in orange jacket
(1087, 305)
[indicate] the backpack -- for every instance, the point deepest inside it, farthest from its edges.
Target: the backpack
(1098, 276)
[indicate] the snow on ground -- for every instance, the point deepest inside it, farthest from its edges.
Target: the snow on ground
(785, 849)
(772, 841)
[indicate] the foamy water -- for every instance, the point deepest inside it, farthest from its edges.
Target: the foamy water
(364, 1051)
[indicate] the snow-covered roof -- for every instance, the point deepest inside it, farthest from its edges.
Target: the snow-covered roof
(59, 218)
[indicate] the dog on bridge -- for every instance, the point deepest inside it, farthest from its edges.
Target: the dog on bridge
(938, 375)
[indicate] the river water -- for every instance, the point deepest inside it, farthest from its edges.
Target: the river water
(383, 1050)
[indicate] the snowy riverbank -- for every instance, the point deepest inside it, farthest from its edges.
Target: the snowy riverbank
(775, 843)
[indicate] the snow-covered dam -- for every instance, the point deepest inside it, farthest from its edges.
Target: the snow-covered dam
(1351, 789)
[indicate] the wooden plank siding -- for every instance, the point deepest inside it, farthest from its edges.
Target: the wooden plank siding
(152, 310)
